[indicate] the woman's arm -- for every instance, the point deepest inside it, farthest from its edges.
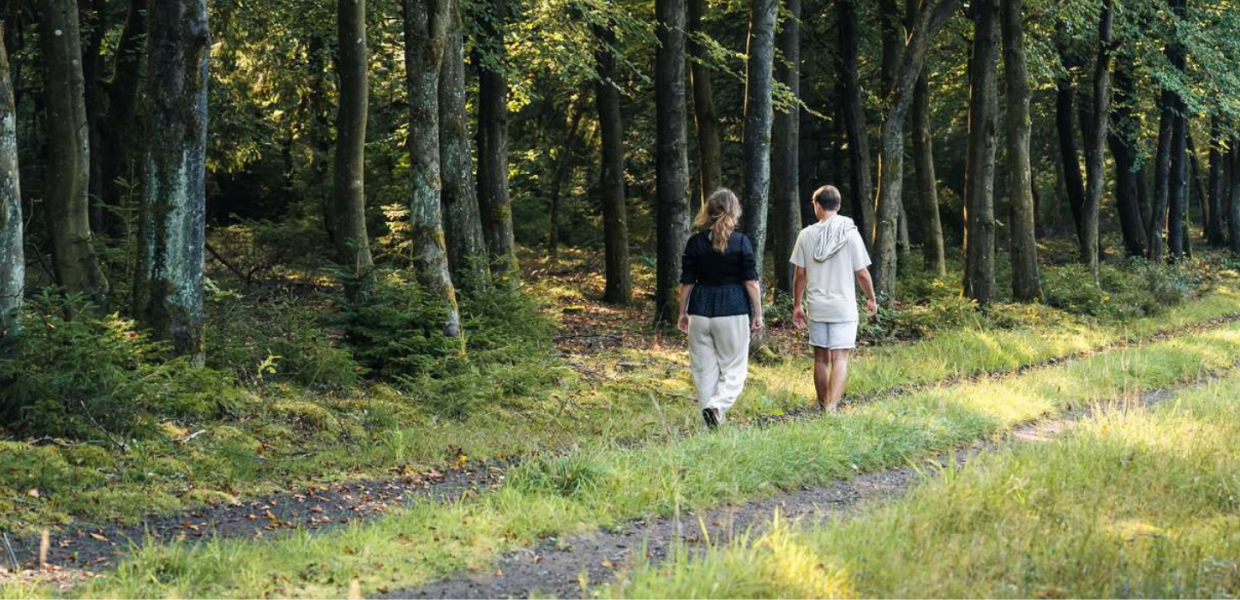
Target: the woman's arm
(754, 288)
(685, 290)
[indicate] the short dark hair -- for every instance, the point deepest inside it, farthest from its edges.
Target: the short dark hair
(828, 197)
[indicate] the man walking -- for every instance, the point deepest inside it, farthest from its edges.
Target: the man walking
(829, 256)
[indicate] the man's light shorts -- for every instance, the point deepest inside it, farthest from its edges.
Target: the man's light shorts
(833, 336)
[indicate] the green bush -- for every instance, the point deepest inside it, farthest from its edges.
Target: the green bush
(1071, 288)
(89, 376)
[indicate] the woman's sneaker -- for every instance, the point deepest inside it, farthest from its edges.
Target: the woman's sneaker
(711, 416)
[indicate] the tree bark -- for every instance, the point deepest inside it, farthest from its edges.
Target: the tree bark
(979, 191)
(117, 124)
(861, 181)
(892, 36)
(493, 198)
(929, 21)
(563, 169)
(759, 114)
(12, 258)
(1156, 227)
(785, 151)
(1095, 130)
(349, 208)
(168, 288)
(619, 287)
(1177, 205)
(710, 162)
(671, 158)
(74, 261)
(1026, 285)
(933, 247)
(1214, 218)
(1234, 225)
(467, 249)
(426, 23)
(1127, 182)
(1065, 102)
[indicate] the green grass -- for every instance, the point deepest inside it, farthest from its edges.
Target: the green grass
(1132, 503)
(602, 486)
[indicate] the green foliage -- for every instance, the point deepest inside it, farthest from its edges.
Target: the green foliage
(86, 376)
(571, 476)
(1133, 289)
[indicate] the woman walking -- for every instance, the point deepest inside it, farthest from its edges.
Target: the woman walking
(720, 303)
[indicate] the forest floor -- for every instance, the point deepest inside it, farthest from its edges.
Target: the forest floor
(621, 455)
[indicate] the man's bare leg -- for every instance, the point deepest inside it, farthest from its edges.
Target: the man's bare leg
(839, 377)
(822, 375)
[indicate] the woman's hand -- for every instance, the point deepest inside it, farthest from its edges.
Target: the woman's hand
(683, 325)
(756, 324)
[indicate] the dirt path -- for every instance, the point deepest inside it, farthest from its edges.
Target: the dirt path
(85, 548)
(565, 568)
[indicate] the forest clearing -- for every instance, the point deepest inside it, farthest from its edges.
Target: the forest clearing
(573, 298)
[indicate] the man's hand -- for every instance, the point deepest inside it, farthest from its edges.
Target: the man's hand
(798, 317)
(683, 325)
(871, 307)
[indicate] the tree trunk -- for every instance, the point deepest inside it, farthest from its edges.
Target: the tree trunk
(759, 85)
(980, 185)
(493, 199)
(1177, 205)
(1095, 129)
(12, 259)
(168, 288)
(1026, 285)
(785, 151)
(467, 249)
(927, 186)
(710, 163)
(351, 238)
(892, 34)
(1065, 101)
(1198, 190)
(563, 168)
(619, 288)
(93, 23)
(671, 157)
(426, 24)
(1127, 183)
(116, 126)
(74, 261)
(861, 182)
(1234, 224)
(1156, 227)
(1214, 224)
(929, 21)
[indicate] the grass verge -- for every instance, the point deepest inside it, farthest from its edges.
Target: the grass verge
(1132, 503)
(606, 486)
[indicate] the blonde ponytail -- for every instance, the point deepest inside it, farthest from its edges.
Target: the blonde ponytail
(720, 213)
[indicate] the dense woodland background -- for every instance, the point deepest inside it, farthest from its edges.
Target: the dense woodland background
(385, 169)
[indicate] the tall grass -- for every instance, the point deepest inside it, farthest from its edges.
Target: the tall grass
(608, 485)
(1132, 503)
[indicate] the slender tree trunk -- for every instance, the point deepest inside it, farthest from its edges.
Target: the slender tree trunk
(116, 155)
(759, 114)
(1198, 190)
(1214, 224)
(785, 151)
(493, 196)
(1026, 285)
(927, 186)
(1177, 205)
(1235, 197)
(619, 288)
(168, 288)
(12, 259)
(1144, 201)
(1095, 129)
(861, 182)
(426, 23)
(980, 185)
(710, 163)
(1065, 101)
(929, 21)
(74, 261)
(93, 21)
(467, 250)
(671, 157)
(1157, 225)
(1127, 184)
(351, 238)
(314, 102)
(563, 169)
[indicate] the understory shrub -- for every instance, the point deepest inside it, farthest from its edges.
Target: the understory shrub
(94, 377)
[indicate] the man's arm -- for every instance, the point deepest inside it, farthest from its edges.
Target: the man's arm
(685, 290)
(798, 292)
(867, 286)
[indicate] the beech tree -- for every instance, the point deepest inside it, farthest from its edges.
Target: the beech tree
(74, 261)
(619, 286)
(710, 160)
(349, 207)
(980, 185)
(12, 255)
(1026, 285)
(493, 200)
(1095, 123)
(862, 183)
(671, 157)
(785, 150)
(759, 114)
(168, 288)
